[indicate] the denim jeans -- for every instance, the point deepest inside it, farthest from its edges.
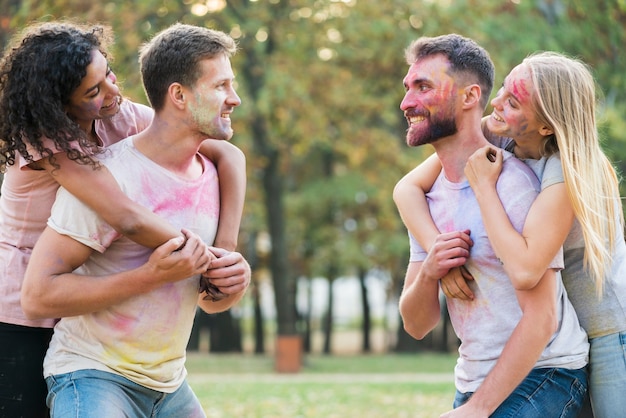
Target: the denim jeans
(98, 394)
(607, 375)
(22, 388)
(549, 392)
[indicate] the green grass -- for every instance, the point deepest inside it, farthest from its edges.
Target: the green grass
(364, 386)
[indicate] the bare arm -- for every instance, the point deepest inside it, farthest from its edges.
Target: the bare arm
(525, 256)
(231, 168)
(521, 352)
(410, 198)
(99, 190)
(52, 290)
(419, 301)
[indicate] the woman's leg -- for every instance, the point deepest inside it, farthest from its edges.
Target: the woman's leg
(607, 375)
(22, 387)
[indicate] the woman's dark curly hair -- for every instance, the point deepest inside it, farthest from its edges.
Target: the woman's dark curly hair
(41, 69)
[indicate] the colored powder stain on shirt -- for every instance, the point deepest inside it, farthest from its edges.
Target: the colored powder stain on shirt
(179, 197)
(122, 323)
(143, 338)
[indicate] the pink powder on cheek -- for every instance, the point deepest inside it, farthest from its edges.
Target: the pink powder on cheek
(517, 124)
(89, 111)
(440, 94)
(93, 107)
(84, 110)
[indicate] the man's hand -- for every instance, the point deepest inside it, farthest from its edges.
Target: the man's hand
(172, 263)
(449, 250)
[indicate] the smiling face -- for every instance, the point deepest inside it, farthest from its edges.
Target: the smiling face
(97, 96)
(213, 98)
(514, 114)
(429, 103)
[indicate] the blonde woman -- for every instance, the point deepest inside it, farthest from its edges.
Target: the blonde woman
(545, 113)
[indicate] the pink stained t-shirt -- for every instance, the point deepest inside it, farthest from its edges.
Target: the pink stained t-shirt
(26, 198)
(143, 338)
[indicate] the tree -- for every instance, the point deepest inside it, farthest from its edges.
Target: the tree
(321, 84)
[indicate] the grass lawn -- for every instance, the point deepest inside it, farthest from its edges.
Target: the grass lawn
(370, 386)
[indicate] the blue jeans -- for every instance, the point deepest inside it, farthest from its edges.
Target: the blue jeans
(98, 394)
(607, 375)
(549, 392)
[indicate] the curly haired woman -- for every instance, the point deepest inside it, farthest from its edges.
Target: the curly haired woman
(59, 107)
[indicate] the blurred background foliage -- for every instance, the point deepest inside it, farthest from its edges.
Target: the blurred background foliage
(321, 84)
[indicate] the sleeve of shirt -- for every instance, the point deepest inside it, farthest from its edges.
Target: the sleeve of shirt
(417, 253)
(23, 163)
(73, 218)
(553, 172)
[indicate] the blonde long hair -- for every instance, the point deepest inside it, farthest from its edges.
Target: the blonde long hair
(565, 100)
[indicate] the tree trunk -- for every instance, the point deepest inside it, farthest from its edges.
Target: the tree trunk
(273, 187)
(306, 319)
(259, 332)
(284, 288)
(201, 322)
(328, 320)
(225, 333)
(366, 346)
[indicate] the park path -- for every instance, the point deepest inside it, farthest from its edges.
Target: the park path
(321, 377)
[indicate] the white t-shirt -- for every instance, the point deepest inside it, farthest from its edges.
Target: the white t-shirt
(485, 324)
(144, 338)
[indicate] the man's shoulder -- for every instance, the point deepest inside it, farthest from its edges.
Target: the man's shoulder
(118, 157)
(517, 175)
(514, 166)
(115, 149)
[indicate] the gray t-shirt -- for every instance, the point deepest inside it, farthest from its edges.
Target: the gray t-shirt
(599, 317)
(485, 324)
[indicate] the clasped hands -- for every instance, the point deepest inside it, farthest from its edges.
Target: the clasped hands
(222, 273)
(445, 262)
(450, 251)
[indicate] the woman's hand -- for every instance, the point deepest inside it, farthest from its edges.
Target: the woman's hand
(483, 167)
(455, 284)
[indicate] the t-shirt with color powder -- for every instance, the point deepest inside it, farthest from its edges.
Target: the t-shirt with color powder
(485, 324)
(144, 338)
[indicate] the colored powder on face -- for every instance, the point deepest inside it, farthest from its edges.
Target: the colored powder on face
(520, 84)
(520, 91)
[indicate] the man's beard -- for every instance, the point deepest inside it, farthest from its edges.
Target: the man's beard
(437, 129)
